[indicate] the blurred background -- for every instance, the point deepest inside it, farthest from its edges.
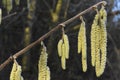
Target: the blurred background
(34, 18)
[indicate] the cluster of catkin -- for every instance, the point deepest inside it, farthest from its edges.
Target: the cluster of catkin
(43, 69)
(16, 72)
(63, 49)
(82, 44)
(99, 41)
(43, 72)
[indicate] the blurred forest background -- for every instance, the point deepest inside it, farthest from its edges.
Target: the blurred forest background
(34, 18)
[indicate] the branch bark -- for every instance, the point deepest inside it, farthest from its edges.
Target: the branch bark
(16, 55)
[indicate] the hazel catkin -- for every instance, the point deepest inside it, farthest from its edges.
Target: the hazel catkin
(44, 72)
(97, 50)
(79, 41)
(103, 44)
(99, 42)
(82, 45)
(16, 72)
(66, 43)
(93, 39)
(59, 46)
(63, 49)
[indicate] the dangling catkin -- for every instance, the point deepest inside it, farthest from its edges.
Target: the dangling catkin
(48, 74)
(83, 45)
(79, 40)
(60, 47)
(100, 43)
(44, 72)
(63, 62)
(93, 39)
(0, 15)
(97, 50)
(16, 72)
(63, 57)
(63, 49)
(13, 72)
(84, 48)
(66, 43)
(103, 44)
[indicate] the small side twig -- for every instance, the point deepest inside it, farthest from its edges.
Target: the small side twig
(12, 14)
(48, 34)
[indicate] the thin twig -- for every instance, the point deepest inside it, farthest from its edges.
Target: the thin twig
(15, 18)
(48, 34)
(12, 14)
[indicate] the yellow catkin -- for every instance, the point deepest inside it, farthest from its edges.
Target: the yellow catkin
(48, 74)
(63, 62)
(63, 50)
(103, 44)
(97, 50)
(16, 72)
(79, 41)
(66, 44)
(59, 46)
(63, 57)
(84, 47)
(12, 74)
(0, 15)
(97, 63)
(44, 72)
(93, 39)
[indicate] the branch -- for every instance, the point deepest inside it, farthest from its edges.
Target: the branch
(16, 55)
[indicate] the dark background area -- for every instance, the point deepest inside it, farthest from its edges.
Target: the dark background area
(30, 23)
